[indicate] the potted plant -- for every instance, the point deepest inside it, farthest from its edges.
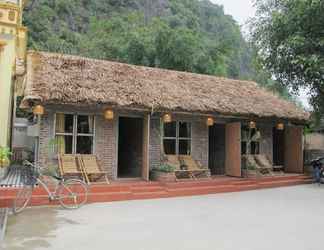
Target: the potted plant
(4, 161)
(163, 173)
(249, 170)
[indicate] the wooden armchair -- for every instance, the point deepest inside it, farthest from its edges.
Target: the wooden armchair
(68, 166)
(194, 167)
(173, 161)
(91, 168)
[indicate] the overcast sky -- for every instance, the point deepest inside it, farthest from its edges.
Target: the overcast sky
(242, 10)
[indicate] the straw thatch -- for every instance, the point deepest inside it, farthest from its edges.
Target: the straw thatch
(66, 79)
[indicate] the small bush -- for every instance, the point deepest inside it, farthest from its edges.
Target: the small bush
(250, 167)
(165, 168)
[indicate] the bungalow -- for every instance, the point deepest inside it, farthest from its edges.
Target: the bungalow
(131, 116)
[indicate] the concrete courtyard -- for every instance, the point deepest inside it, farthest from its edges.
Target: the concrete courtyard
(282, 218)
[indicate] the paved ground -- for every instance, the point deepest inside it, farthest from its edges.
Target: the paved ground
(274, 219)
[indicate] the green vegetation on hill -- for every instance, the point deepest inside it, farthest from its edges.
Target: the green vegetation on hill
(186, 35)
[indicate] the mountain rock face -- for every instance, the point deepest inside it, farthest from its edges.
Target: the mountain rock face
(186, 35)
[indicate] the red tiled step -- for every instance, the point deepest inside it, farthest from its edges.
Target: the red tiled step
(284, 183)
(150, 195)
(147, 189)
(112, 196)
(281, 178)
(151, 190)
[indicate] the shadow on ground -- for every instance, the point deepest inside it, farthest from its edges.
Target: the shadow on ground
(41, 225)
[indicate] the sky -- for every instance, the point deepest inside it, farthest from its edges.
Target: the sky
(242, 10)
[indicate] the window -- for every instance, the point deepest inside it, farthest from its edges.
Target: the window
(177, 138)
(74, 134)
(247, 135)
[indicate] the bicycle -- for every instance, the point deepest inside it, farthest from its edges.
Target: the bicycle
(71, 193)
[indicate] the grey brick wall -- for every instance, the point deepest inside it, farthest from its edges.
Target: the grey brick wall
(199, 139)
(105, 145)
(266, 143)
(155, 142)
(46, 158)
(106, 141)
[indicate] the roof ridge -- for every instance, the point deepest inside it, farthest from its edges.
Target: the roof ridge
(78, 57)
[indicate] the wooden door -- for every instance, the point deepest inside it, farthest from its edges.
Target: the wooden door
(278, 147)
(233, 149)
(294, 150)
(146, 145)
(216, 154)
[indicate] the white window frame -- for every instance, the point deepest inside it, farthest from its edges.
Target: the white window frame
(75, 133)
(178, 138)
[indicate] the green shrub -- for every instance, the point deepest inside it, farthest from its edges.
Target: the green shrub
(165, 168)
(250, 167)
(5, 156)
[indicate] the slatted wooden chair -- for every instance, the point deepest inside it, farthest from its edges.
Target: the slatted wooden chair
(264, 164)
(91, 168)
(173, 161)
(194, 167)
(68, 166)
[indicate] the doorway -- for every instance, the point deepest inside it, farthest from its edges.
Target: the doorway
(216, 161)
(278, 147)
(130, 147)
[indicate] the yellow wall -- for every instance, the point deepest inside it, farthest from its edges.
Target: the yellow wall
(12, 47)
(7, 60)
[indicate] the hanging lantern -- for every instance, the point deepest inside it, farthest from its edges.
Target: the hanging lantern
(252, 125)
(38, 110)
(109, 114)
(210, 121)
(280, 126)
(167, 118)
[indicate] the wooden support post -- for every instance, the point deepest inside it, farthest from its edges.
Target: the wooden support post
(233, 149)
(294, 158)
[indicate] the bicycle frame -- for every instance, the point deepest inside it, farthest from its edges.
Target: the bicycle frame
(52, 195)
(63, 190)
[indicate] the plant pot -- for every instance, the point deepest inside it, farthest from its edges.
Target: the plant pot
(3, 172)
(163, 176)
(248, 173)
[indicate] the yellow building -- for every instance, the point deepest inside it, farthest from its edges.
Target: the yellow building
(12, 62)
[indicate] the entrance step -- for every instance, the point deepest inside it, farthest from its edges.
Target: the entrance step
(119, 191)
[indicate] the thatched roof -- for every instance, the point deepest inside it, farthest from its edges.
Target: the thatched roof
(65, 79)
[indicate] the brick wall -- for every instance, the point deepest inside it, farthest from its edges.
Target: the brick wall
(155, 142)
(266, 143)
(199, 137)
(314, 141)
(46, 157)
(106, 145)
(200, 141)
(106, 141)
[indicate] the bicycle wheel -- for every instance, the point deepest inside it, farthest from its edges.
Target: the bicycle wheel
(22, 199)
(73, 194)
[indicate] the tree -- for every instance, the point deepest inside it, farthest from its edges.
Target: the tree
(289, 37)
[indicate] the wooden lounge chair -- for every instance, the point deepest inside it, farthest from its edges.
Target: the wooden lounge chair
(68, 166)
(91, 168)
(173, 161)
(194, 167)
(264, 164)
